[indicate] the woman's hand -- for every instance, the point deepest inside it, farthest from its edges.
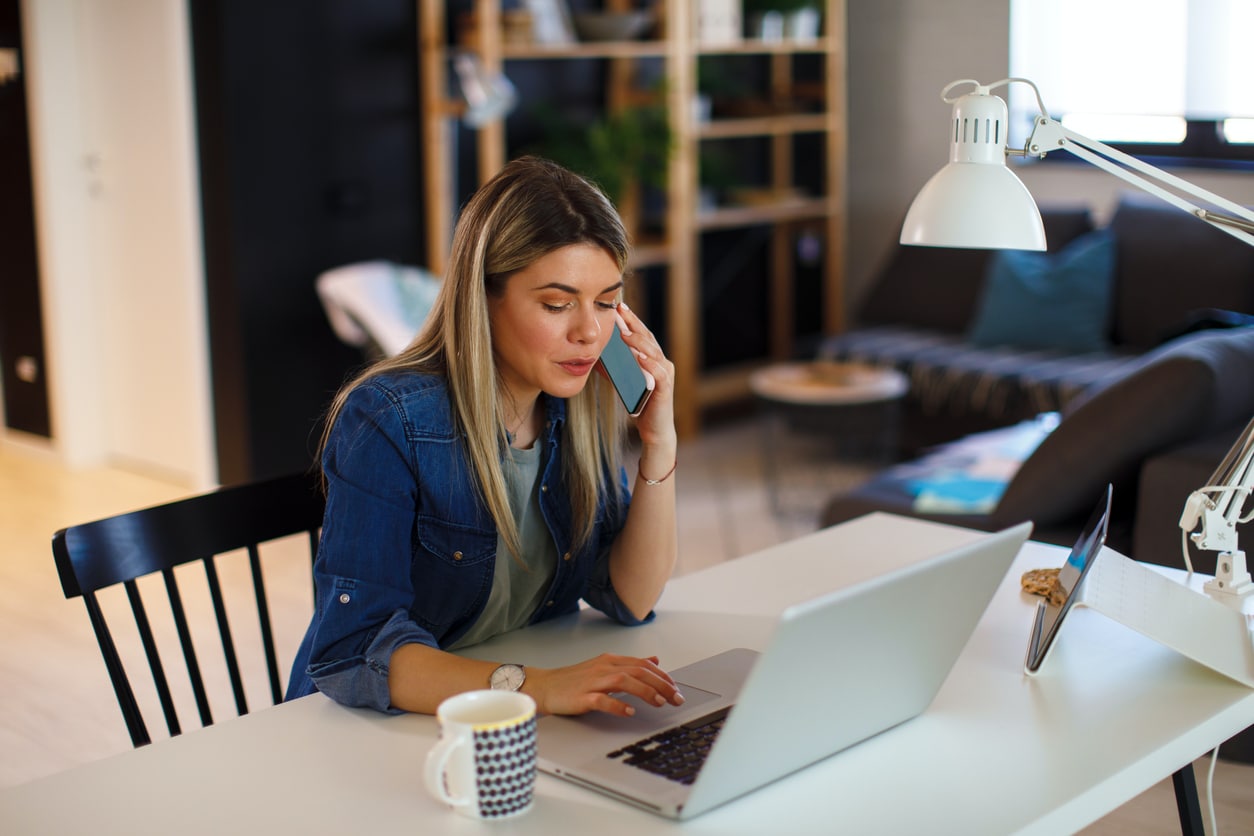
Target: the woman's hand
(656, 424)
(587, 686)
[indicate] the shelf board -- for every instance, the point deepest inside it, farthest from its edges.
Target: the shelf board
(656, 48)
(587, 49)
(790, 123)
(753, 46)
(726, 217)
(650, 253)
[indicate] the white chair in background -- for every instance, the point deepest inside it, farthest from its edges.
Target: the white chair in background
(377, 306)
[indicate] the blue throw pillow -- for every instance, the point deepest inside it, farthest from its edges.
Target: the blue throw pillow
(1059, 301)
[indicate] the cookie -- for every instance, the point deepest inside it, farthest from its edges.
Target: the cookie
(1044, 582)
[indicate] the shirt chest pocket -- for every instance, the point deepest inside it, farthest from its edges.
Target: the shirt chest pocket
(454, 546)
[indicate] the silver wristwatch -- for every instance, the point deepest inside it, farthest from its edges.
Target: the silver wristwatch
(507, 677)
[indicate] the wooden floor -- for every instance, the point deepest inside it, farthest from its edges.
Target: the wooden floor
(57, 708)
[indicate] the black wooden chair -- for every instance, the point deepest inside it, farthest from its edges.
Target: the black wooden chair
(124, 548)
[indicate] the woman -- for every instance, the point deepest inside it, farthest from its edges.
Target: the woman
(474, 482)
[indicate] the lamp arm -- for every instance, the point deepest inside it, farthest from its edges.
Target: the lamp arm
(1218, 506)
(1050, 135)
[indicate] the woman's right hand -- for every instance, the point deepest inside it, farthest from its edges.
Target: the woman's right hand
(587, 686)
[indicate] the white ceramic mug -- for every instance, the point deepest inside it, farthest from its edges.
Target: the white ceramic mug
(484, 764)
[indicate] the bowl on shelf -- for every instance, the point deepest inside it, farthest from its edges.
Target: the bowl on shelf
(612, 26)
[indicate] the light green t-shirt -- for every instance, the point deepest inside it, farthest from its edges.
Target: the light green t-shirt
(518, 590)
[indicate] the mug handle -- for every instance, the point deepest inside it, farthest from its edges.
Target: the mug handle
(437, 761)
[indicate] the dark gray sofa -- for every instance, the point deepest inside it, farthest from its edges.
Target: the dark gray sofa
(1155, 430)
(1172, 274)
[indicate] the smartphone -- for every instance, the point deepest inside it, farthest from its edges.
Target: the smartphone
(624, 372)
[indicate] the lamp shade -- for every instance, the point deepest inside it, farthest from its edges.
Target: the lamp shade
(975, 201)
(977, 206)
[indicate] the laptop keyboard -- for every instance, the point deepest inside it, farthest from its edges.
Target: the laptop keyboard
(676, 753)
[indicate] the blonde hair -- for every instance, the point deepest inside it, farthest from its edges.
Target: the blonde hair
(529, 209)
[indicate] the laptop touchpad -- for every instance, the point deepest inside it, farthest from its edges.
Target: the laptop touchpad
(693, 697)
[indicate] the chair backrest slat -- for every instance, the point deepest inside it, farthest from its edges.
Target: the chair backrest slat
(263, 619)
(117, 673)
(224, 632)
(120, 549)
(153, 655)
(184, 629)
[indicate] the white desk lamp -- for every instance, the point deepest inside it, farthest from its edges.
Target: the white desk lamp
(976, 201)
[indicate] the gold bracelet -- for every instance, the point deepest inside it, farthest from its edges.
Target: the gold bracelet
(649, 481)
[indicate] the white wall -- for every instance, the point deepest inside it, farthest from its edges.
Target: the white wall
(117, 215)
(901, 53)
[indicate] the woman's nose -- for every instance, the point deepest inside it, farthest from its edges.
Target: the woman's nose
(587, 326)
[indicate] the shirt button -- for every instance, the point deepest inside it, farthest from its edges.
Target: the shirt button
(566, 556)
(548, 603)
(457, 555)
(544, 489)
(345, 597)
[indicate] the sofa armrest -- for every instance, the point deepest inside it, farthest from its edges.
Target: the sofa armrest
(1166, 482)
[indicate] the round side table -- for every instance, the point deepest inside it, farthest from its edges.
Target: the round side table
(827, 426)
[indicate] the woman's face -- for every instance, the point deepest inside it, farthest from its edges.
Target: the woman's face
(553, 319)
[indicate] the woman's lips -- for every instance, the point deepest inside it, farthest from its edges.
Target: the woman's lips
(578, 368)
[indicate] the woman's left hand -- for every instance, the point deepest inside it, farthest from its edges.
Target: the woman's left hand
(656, 424)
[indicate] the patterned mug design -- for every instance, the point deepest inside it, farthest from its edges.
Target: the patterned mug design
(505, 759)
(484, 764)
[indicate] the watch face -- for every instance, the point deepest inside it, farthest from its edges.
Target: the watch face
(507, 678)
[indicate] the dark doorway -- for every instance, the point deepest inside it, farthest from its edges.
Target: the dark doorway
(309, 127)
(24, 377)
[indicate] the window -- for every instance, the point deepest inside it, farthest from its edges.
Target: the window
(1158, 78)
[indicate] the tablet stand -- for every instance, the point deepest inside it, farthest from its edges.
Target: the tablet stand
(1174, 612)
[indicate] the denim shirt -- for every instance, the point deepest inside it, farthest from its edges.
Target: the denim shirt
(408, 547)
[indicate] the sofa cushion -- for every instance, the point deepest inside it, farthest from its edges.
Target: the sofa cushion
(937, 287)
(1056, 301)
(949, 376)
(1192, 385)
(1170, 264)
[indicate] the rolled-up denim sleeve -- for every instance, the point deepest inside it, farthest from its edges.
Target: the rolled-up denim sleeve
(362, 679)
(362, 575)
(601, 595)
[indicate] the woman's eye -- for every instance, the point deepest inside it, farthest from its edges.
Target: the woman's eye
(608, 306)
(556, 308)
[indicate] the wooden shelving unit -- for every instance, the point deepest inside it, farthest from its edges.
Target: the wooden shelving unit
(821, 204)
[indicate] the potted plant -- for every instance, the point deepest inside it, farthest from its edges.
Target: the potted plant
(618, 151)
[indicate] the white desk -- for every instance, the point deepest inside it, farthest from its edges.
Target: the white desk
(1112, 714)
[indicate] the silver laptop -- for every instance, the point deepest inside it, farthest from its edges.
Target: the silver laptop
(838, 669)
